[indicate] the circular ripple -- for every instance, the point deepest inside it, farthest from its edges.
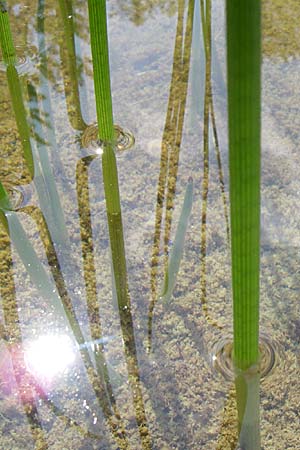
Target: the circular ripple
(26, 60)
(90, 139)
(18, 196)
(222, 360)
(124, 139)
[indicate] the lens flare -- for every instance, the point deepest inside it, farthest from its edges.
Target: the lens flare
(49, 356)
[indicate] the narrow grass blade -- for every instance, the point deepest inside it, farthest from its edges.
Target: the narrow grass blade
(177, 249)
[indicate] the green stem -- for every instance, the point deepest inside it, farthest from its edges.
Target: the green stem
(20, 115)
(6, 40)
(244, 86)
(99, 45)
(9, 56)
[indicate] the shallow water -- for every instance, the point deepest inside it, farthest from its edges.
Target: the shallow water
(70, 378)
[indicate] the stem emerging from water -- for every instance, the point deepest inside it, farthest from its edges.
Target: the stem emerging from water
(244, 116)
(244, 85)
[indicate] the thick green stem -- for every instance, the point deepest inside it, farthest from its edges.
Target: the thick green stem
(244, 86)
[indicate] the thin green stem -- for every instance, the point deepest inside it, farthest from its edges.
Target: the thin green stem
(20, 115)
(99, 44)
(100, 54)
(9, 57)
(6, 40)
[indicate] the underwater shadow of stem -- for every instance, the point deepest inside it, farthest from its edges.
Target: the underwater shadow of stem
(170, 146)
(208, 114)
(45, 91)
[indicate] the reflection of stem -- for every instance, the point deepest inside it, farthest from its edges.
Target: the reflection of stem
(207, 36)
(41, 280)
(71, 79)
(44, 180)
(220, 170)
(45, 97)
(208, 113)
(170, 146)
